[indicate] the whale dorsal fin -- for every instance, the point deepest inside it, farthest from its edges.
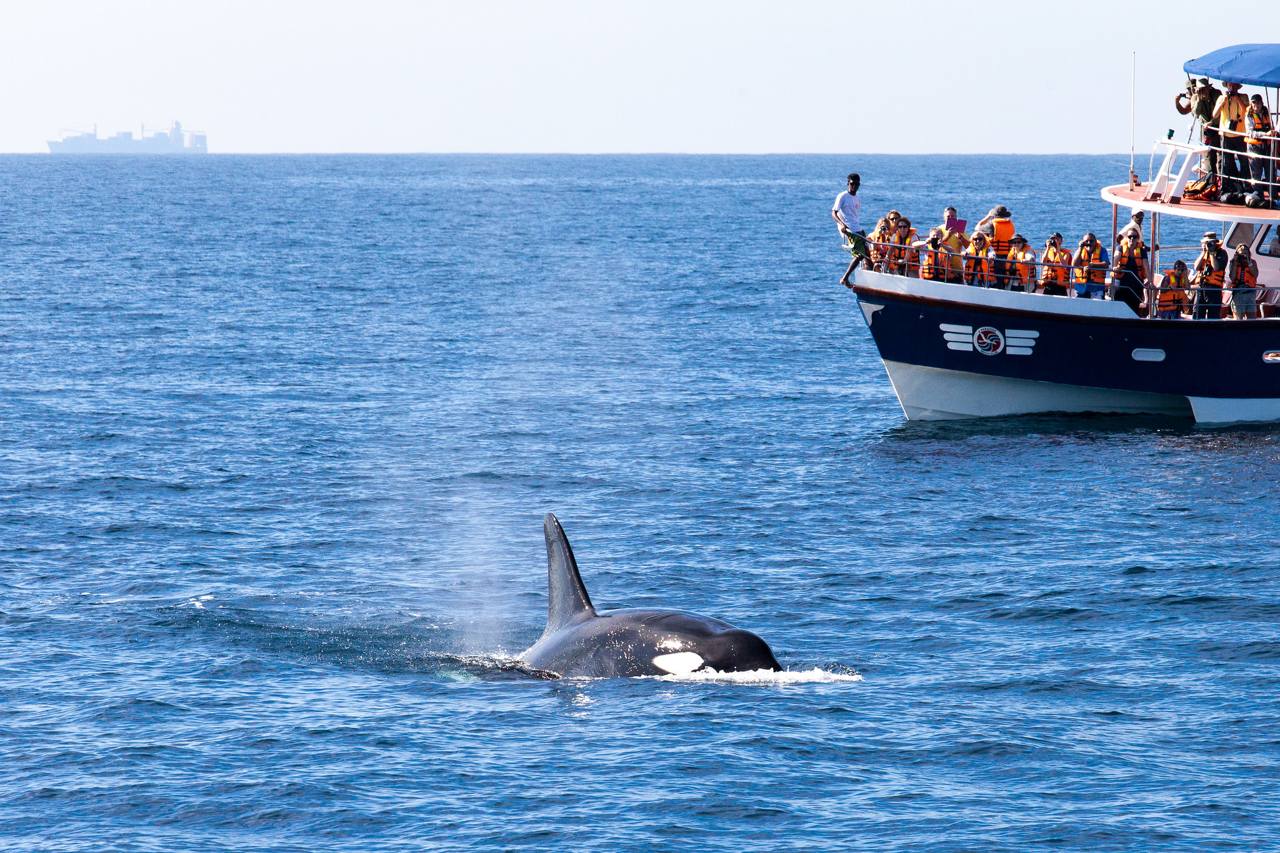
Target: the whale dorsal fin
(567, 598)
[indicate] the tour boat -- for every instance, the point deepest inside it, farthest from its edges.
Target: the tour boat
(960, 351)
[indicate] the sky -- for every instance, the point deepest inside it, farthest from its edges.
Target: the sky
(696, 76)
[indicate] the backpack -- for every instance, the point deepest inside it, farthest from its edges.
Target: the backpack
(1205, 189)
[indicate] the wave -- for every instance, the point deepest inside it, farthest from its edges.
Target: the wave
(767, 677)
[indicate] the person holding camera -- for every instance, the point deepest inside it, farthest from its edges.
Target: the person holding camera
(1211, 271)
(1055, 272)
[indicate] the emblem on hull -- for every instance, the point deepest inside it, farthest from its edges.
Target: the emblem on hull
(988, 340)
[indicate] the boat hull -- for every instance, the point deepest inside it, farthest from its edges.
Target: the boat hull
(957, 352)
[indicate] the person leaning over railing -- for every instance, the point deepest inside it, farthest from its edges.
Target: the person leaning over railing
(1211, 269)
(977, 261)
(1055, 273)
(1261, 145)
(1130, 270)
(1090, 266)
(1171, 297)
(1243, 276)
(1022, 265)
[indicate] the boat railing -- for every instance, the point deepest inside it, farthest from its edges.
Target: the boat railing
(1184, 162)
(987, 271)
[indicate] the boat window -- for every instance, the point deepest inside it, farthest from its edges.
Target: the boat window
(1270, 248)
(1241, 233)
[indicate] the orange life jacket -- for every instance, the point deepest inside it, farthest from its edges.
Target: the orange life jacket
(1243, 275)
(1092, 271)
(1055, 274)
(976, 265)
(934, 267)
(905, 258)
(1173, 291)
(1024, 265)
(1129, 253)
(1210, 277)
(1002, 233)
(1260, 121)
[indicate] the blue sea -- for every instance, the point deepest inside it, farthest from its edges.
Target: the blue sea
(276, 439)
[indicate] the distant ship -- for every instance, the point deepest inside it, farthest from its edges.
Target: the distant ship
(173, 141)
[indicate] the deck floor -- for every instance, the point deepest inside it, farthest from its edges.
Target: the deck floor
(1125, 195)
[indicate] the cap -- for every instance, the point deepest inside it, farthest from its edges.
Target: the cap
(1209, 237)
(1018, 238)
(1055, 236)
(1001, 210)
(1204, 81)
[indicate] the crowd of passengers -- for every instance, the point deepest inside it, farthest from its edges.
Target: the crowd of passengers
(1218, 285)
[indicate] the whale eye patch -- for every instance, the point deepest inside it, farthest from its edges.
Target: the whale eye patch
(678, 663)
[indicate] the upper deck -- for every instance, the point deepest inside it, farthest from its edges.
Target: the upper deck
(1216, 211)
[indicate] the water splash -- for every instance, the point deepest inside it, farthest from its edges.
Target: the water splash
(766, 676)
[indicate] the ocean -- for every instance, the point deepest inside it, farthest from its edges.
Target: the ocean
(277, 435)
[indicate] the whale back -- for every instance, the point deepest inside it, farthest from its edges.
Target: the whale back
(567, 599)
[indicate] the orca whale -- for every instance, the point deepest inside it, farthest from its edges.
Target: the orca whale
(580, 642)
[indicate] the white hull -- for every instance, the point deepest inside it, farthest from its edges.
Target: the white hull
(934, 394)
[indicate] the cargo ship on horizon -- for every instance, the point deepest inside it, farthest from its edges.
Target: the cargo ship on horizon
(173, 141)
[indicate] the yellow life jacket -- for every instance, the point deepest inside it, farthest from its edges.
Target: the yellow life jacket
(1235, 108)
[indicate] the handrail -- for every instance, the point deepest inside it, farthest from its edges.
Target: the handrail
(886, 264)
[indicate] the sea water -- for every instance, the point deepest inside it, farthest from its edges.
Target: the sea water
(276, 439)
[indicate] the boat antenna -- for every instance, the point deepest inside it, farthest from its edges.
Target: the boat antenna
(1133, 87)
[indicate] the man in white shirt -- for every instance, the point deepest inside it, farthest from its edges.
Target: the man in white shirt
(847, 212)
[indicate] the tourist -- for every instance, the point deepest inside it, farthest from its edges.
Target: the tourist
(934, 265)
(998, 226)
(879, 243)
(1022, 265)
(1243, 275)
(977, 264)
(1090, 265)
(1211, 270)
(1261, 145)
(847, 212)
(1230, 113)
(1203, 104)
(1134, 225)
(1130, 272)
(908, 259)
(1055, 272)
(1171, 298)
(955, 241)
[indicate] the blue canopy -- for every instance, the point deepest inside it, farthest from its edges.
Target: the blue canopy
(1251, 64)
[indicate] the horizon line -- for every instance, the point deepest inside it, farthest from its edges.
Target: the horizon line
(580, 154)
